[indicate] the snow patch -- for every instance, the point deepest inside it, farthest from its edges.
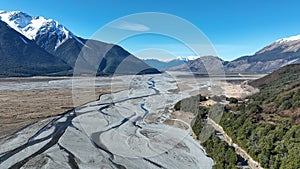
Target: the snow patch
(78, 40)
(24, 40)
(292, 38)
(290, 62)
(187, 58)
(182, 58)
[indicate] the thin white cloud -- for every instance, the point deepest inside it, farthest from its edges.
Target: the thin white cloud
(131, 26)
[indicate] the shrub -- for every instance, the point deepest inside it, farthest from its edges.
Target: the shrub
(232, 100)
(218, 98)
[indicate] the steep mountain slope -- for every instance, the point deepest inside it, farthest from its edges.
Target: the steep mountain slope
(290, 72)
(112, 59)
(280, 90)
(59, 41)
(20, 56)
(280, 53)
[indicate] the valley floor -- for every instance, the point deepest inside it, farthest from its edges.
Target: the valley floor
(138, 111)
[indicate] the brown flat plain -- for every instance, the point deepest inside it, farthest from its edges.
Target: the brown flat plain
(21, 108)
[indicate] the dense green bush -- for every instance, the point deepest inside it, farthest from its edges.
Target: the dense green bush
(223, 154)
(190, 104)
(254, 108)
(199, 120)
(232, 100)
(273, 145)
(220, 98)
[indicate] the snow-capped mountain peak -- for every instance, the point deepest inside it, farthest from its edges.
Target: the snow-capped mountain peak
(33, 27)
(289, 39)
(187, 58)
(290, 44)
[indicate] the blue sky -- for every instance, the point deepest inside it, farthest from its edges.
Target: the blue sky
(235, 27)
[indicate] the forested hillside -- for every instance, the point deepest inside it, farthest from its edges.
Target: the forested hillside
(266, 124)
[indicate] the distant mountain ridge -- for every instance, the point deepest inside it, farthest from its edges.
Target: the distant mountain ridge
(272, 57)
(202, 65)
(278, 54)
(58, 41)
(164, 65)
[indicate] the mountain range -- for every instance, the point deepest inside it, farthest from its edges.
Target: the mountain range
(165, 65)
(278, 54)
(33, 46)
(38, 46)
